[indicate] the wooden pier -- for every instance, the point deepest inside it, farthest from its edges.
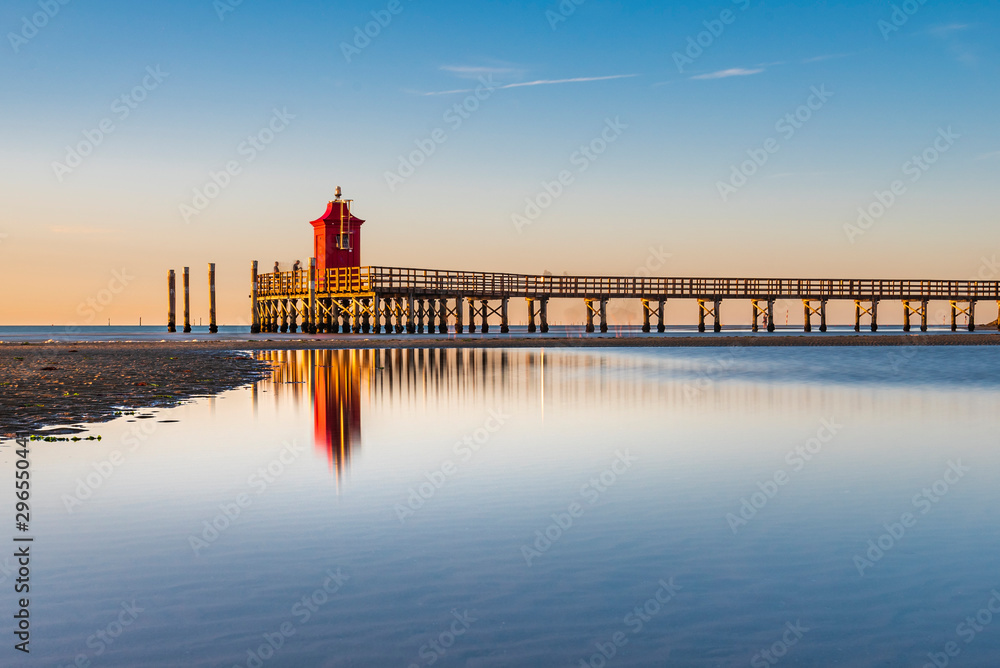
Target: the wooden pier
(397, 300)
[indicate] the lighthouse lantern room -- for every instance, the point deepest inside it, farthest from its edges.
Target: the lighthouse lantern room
(337, 237)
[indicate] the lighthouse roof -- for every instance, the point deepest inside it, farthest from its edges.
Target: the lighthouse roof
(337, 211)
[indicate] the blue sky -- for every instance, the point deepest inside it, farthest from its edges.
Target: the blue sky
(892, 92)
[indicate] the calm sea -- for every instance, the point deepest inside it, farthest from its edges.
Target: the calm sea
(19, 334)
(711, 507)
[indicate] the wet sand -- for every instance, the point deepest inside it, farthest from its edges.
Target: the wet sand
(61, 385)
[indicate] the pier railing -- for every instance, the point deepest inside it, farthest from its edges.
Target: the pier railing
(438, 283)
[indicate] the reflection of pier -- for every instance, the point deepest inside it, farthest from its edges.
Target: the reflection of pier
(343, 385)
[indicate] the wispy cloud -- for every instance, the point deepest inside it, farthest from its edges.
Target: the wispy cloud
(540, 82)
(989, 156)
(828, 56)
(732, 72)
(948, 29)
(473, 72)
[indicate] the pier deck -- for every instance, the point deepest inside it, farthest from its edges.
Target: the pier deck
(383, 299)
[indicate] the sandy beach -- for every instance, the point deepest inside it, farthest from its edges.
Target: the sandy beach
(59, 385)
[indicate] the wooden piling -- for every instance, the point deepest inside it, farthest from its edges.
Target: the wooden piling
(822, 315)
(701, 315)
(187, 300)
(808, 315)
(660, 324)
(504, 324)
(770, 315)
(254, 312)
(906, 316)
(486, 320)
(531, 315)
(972, 315)
(645, 316)
(442, 316)
(589, 303)
(543, 315)
(954, 316)
(171, 302)
(213, 327)
(923, 315)
(604, 315)
(312, 328)
(718, 315)
(458, 315)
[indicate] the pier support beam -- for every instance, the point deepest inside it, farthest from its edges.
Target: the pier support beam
(811, 310)
(648, 311)
(604, 315)
(589, 303)
(504, 322)
(969, 311)
(213, 327)
(310, 326)
(543, 314)
(714, 310)
(254, 309)
(531, 315)
(459, 328)
(486, 318)
(422, 315)
(472, 315)
(909, 310)
(443, 316)
(187, 300)
(871, 310)
(411, 326)
(171, 302)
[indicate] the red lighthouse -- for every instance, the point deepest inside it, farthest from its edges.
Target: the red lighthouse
(337, 237)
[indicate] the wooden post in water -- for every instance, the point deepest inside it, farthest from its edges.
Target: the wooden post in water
(442, 316)
(972, 315)
(486, 316)
(532, 328)
(718, 315)
(954, 317)
(589, 303)
(254, 315)
(660, 325)
(504, 324)
(822, 315)
(874, 314)
(543, 315)
(171, 302)
(770, 315)
(906, 316)
(458, 315)
(808, 315)
(645, 315)
(310, 325)
(472, 315)
(213, 327)
(187, 300)
(923, 316)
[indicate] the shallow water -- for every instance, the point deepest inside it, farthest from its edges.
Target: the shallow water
(502, 508)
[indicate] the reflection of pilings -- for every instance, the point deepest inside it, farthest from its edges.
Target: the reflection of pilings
(342, 384)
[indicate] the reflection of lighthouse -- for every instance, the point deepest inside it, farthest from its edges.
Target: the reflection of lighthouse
(336, 389)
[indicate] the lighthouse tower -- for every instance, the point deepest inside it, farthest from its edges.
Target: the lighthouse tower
(337, 237)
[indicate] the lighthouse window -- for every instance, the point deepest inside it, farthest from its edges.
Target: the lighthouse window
(344, 241)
